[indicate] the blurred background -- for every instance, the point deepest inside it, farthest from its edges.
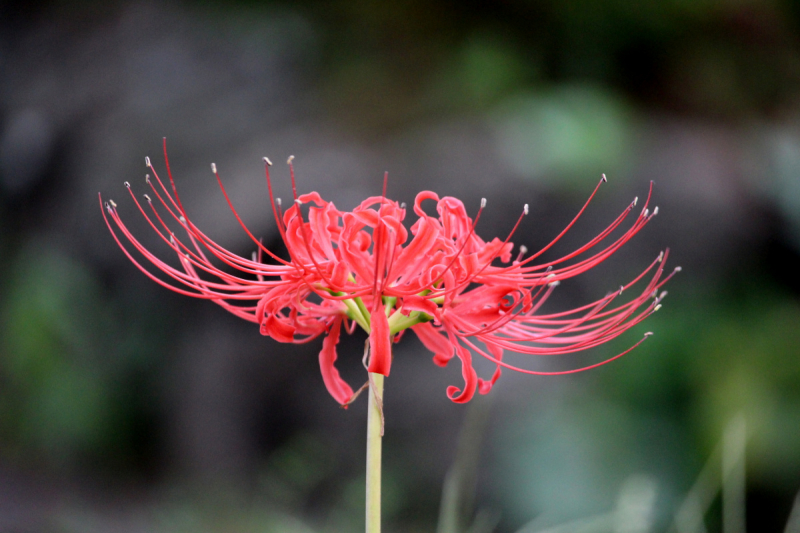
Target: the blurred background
(126, 407)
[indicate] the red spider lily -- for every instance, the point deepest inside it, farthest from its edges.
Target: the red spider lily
(457, 292)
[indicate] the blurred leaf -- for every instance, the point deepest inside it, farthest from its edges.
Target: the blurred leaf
(567, 133)
(483, 69)
(57, 398)
(458, 492)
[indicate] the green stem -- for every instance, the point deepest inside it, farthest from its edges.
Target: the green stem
(374, 438)
(354, 312)
(364, 311)
(398, 321)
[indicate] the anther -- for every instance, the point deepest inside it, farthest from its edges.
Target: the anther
(278, 201)
(660, 257)
(182, 220)
(147, 178)
(656, 308)
(555, 283)
(172, 238)
(402, 205)
(267, 161)
(483, 203)
(678, 269)
(523, 249)
(649, 333)
(289, 161)
(525, 209)
(635, 201)
(128, 185)
(214, 168)
(148, 199)
(646, 212)
(254, 256)
(655, 211)
(662, 295)
(147, 162)
(605, 179)
(298, 201)
(621, 288)
(113, 204)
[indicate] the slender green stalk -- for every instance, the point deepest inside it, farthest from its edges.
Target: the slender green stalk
(374, 438)
(364, 310)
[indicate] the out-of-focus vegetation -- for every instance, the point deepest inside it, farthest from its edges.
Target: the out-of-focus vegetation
(125, 407)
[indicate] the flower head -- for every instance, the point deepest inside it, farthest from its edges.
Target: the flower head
(458, 293)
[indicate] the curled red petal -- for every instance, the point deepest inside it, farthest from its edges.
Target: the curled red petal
(380, 344)
(418, 303)
(470, 378)
(277, 329)
(421, 197)
(340, 273)
(337, 387)
(441, 347)
(485, 386)
(425, 236)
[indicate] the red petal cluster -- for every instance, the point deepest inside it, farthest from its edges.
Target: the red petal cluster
(458, 293)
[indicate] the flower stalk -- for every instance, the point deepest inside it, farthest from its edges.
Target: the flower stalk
(374, 441)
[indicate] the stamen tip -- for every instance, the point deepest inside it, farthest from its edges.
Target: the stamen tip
(298, 201)
(147, 198)
(483, 203)
(147, 178)
(655, 211)
(147, 162)
(555, 283)
(113, 203)
(678, 269)
(214, 168)
(523, 249)
(621, 288)
(278, 201)
(182, 219)
(127, 184)
(656, 308)
(660, 257)
(289, 161)
(402, 205)
(605, 179)
(635, 201)
(646, 212)
(267, 161)
(525, 209)
(648, 334)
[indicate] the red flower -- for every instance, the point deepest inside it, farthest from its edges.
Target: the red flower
(457, 292)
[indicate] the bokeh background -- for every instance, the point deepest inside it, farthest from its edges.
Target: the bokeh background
(125, 407)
